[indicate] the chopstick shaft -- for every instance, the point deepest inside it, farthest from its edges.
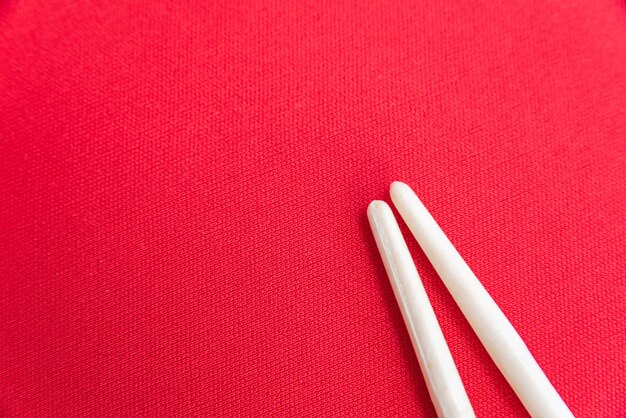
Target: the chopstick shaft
(494, 330)
(442, 378)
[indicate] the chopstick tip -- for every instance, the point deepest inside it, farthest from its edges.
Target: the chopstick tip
(398, 187)
(376, 206)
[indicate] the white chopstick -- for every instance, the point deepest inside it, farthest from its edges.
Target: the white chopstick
(442, 378)
(494, 330)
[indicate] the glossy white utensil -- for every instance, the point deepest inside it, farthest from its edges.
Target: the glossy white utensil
(442, 378)
(494, 330)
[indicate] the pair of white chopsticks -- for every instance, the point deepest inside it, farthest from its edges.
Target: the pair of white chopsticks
(494, 330)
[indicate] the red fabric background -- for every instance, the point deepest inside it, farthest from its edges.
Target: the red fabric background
(183, 188)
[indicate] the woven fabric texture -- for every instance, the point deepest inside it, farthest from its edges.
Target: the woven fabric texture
(183, 193)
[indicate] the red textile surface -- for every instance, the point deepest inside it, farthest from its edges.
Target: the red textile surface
(183, 188)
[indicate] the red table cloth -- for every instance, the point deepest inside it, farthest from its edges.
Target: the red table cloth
(183, 187)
